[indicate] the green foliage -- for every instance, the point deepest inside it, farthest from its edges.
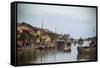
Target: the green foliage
(33, 37)
(23, 36)
(52, 36)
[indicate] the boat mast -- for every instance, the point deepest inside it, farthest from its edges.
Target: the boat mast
(42, 25)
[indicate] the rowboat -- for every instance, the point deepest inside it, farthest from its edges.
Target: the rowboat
(86, 50)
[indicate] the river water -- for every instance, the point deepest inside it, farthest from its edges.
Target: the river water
(50, 55)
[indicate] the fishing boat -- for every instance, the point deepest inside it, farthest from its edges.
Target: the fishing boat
(60, 44)
(42, 45)
(86, 50)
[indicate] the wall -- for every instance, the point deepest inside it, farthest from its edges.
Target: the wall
(5, 34)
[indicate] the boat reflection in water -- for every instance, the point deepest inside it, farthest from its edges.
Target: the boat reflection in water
(86, 57)
(52, 55)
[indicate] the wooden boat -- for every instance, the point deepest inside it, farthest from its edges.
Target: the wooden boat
(60, 44)
(86, 50)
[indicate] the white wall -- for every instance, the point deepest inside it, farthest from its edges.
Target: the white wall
(5, 33)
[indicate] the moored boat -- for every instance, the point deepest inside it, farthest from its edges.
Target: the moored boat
(42, 45)
(60, 43)
(86, 50)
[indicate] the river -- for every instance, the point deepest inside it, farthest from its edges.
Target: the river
(50, 55)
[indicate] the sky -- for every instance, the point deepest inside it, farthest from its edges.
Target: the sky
(76, 21)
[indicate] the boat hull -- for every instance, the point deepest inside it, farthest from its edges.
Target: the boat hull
(86, 50)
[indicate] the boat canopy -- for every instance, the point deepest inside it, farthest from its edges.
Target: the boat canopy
(60, 42)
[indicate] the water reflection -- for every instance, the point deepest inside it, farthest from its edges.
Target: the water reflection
(86, 57)
(50, 55)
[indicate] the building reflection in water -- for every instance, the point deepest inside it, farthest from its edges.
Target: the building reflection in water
(51, 55)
